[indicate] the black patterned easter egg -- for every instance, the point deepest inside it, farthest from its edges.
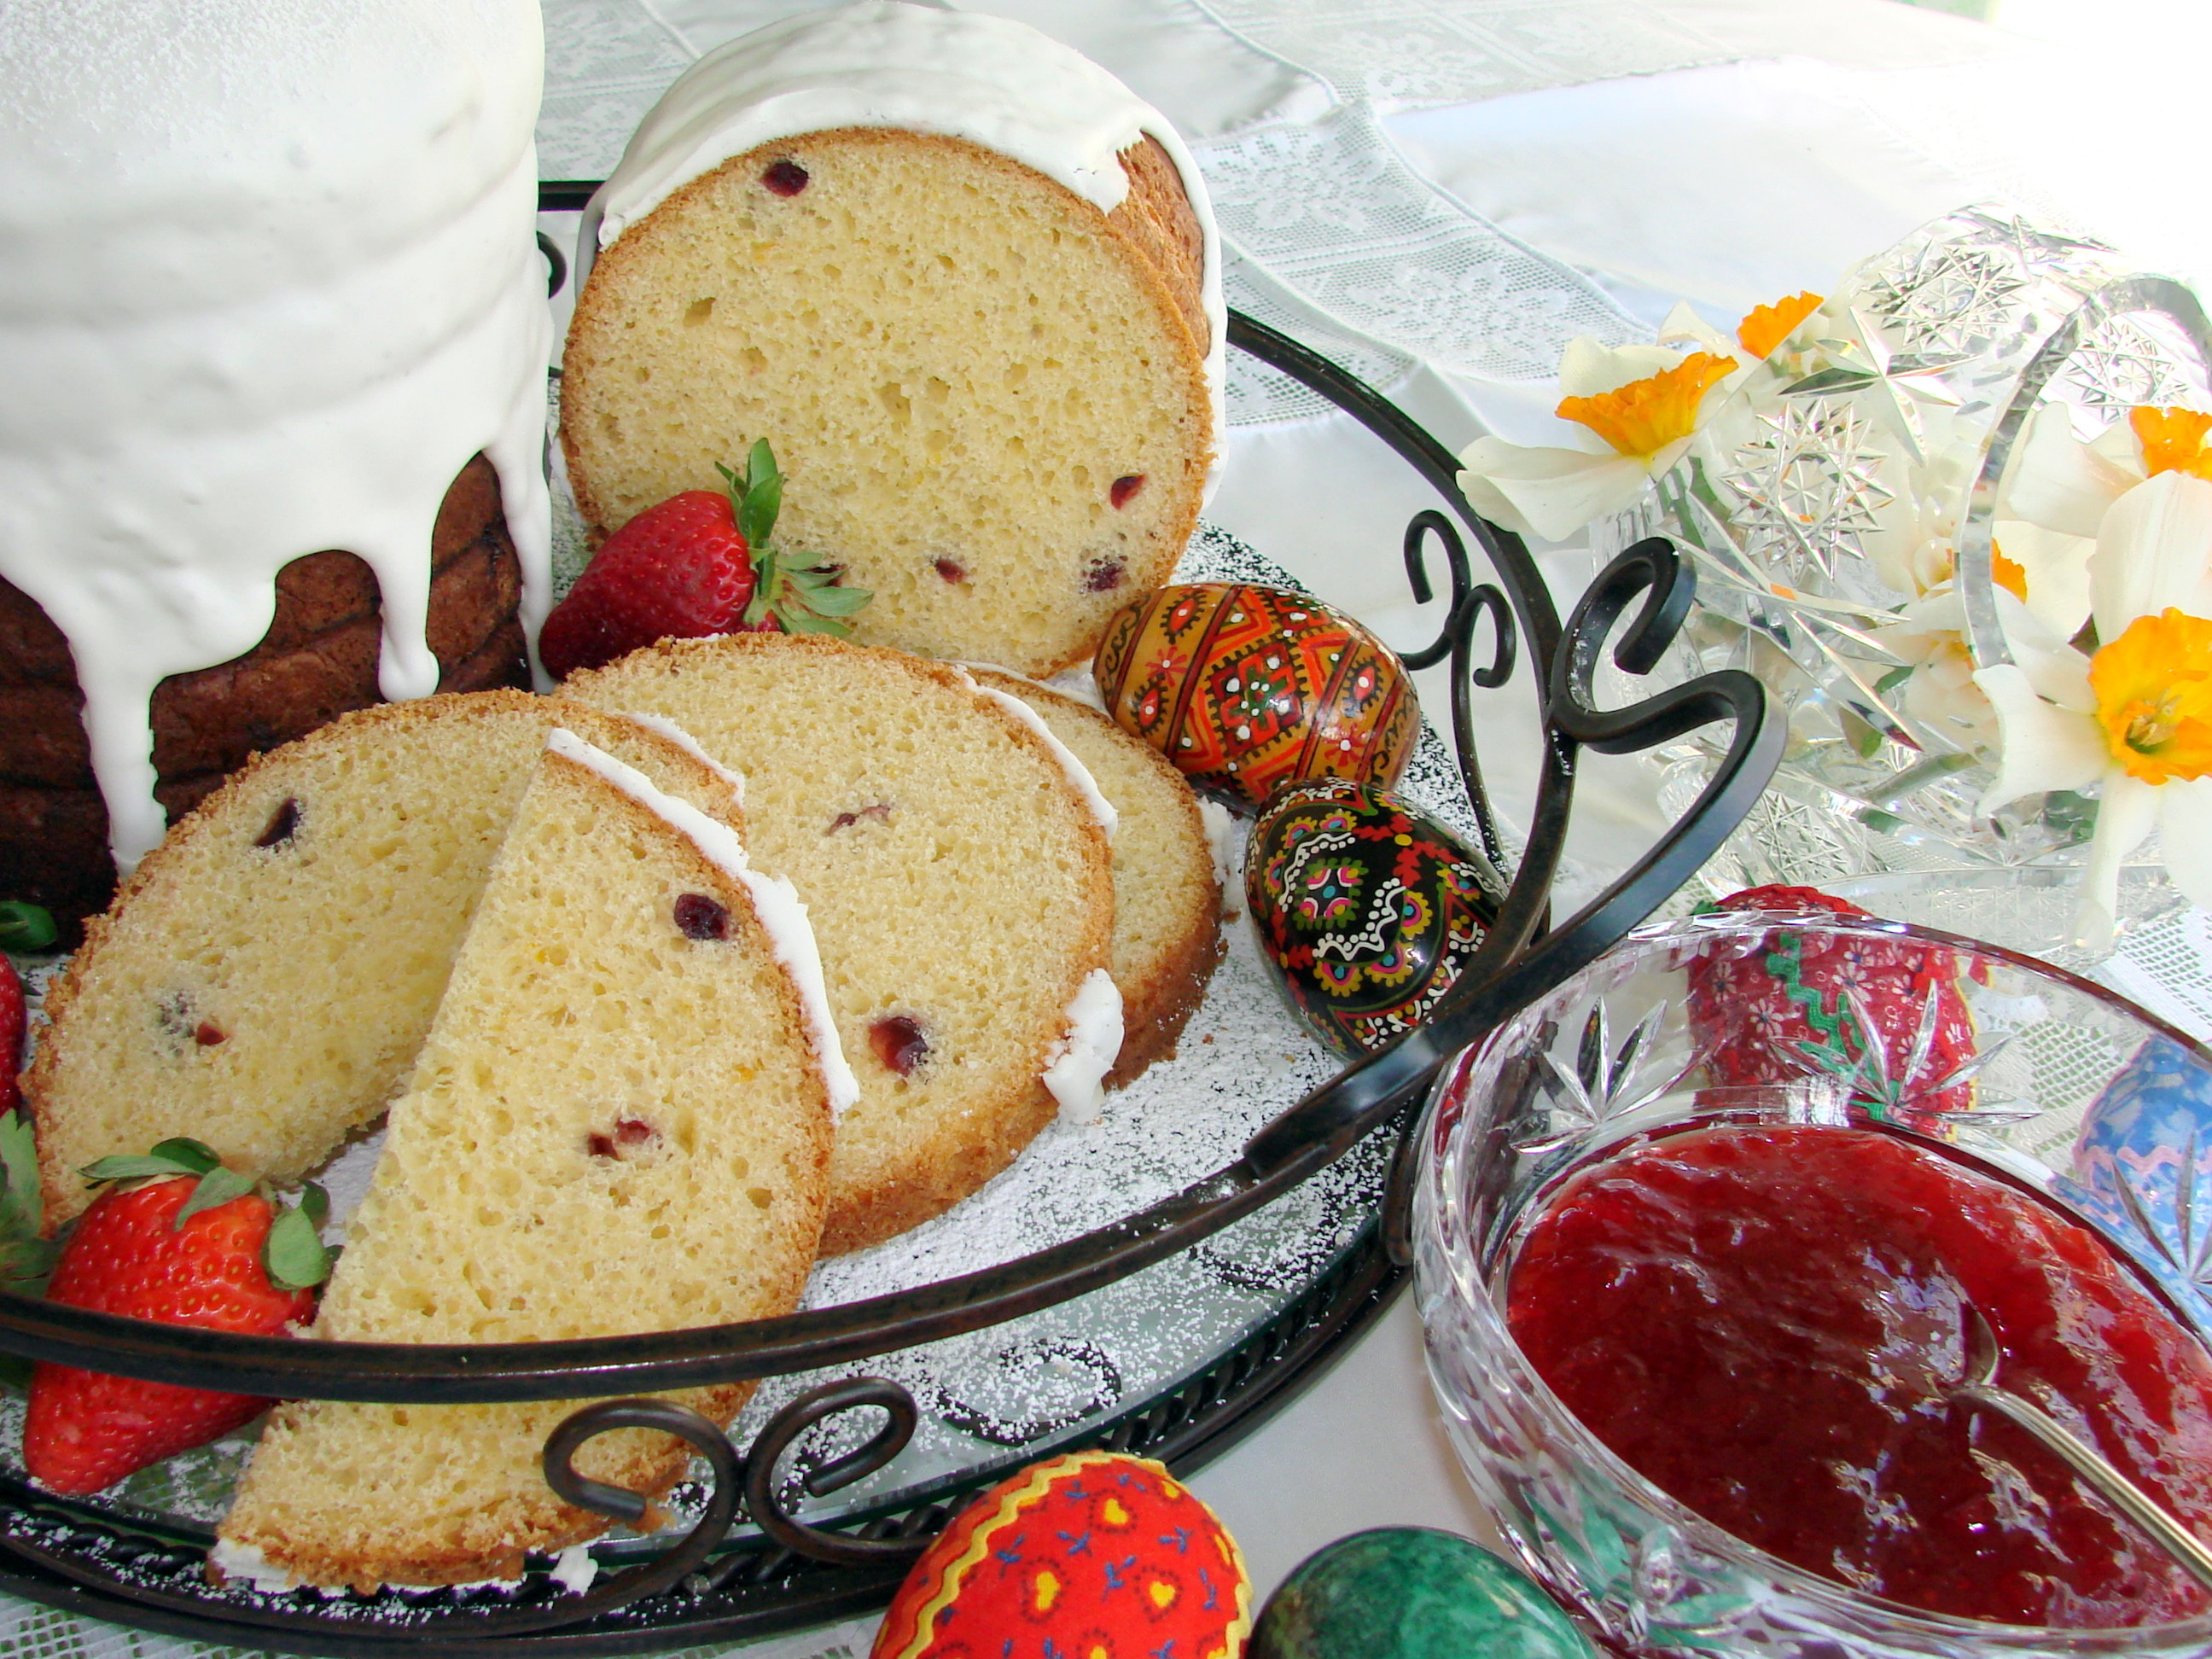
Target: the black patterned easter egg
(1245, 689)
(1367, 908)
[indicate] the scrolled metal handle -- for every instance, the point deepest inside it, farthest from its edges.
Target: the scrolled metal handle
(818, 1405)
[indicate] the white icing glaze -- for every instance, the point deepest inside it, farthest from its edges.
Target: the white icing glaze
(268, 279)
(684, 740)
(1080, 1060)
(963, 74)
(574, 1569)
(775, 901)
(1220, 838)
(246, 1562)
(1102, 809)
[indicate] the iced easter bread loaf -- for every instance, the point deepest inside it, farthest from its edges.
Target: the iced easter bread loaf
(264, 979)
(959, 275)
(958, 882)
(1167, 893)
(619, 1122)
(275, 331)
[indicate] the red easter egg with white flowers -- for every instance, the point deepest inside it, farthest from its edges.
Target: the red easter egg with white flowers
(1092, 1555)
(1245, 689)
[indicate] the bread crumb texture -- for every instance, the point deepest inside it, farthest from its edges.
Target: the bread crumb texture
(616, 1125)
(263, 981)
(987, 400)
(958, 887)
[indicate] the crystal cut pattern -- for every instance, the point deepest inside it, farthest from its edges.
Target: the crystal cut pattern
(1837, 495)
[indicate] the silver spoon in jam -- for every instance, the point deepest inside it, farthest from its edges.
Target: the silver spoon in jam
(1978, 1383)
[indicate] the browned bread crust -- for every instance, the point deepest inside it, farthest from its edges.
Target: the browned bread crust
(318, 659)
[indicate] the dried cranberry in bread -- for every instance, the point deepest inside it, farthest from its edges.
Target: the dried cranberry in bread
(264, 979)
(1167, 893)
(619, 1122)
(959, 274)
(960, 887)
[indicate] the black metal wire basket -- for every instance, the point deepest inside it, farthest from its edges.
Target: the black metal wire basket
(784, 1572)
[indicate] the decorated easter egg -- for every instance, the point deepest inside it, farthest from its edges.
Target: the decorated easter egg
(1092, 1555)
(1887, 1019)
(1246, 689)
(1367, 910)
(1412, 1593)
(2143, 1165)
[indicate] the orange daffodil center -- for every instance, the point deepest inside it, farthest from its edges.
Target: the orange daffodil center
(2153, 690)
(2172, 441)
(1768, 326)
(2010, 575)
(1643, 417)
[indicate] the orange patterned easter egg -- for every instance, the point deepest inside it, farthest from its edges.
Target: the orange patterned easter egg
(1093, 1555)
(1246, 689)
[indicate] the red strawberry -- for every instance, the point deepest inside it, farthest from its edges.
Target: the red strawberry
(698, 563)
(12, 1018)
(198, 1248)
(1803, 1006)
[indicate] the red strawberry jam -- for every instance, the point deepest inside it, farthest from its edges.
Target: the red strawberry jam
(1762, 1320)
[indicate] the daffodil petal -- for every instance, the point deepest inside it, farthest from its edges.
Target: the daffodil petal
(1563, 503)
(1489, 459)
(2057, 567)
(2057, 481)
(2152, 553)
(2185, 835)
(2058, 672)
(1683, 326)
(1587, 369)
(2125, 813)
(2045, 747)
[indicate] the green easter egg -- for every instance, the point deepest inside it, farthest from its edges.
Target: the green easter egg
(1412, 1593)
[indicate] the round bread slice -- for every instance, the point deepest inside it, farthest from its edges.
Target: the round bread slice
(263, 981)
(1167, 893)
(987, 397)
(619, 1122)
(960, 888)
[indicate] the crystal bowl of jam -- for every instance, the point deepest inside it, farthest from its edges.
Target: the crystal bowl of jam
(1701, 1238)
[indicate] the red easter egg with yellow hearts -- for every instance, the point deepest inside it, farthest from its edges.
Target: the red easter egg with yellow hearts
(1245, 689)
(1093, 1555)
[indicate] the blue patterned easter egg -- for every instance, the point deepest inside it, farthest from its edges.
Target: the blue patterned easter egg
(1367, 910)
(2143, 1160)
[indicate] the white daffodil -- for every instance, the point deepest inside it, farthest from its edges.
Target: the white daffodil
(1642, 406)
(2135, 719)
(1639, 403)
(2060, 483)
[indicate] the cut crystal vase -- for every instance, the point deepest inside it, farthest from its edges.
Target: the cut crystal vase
(1843, 509)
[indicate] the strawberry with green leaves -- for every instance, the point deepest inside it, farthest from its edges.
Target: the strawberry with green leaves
(698, 563)
(179, 1239)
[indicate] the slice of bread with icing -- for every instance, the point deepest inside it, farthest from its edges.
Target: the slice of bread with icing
(264, 979)
(1167, 893)
(960, 886)
(619, 1122)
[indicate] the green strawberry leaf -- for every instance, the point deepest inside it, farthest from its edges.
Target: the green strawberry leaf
(24, 1261)
(218, 1186)
(26, 926)
(294, 1255)
(834, 601)
(19, 1165)
(315, 1202)
(178, 1156)
(763, 498)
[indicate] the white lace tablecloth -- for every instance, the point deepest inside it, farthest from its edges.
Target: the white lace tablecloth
(1438, 194)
